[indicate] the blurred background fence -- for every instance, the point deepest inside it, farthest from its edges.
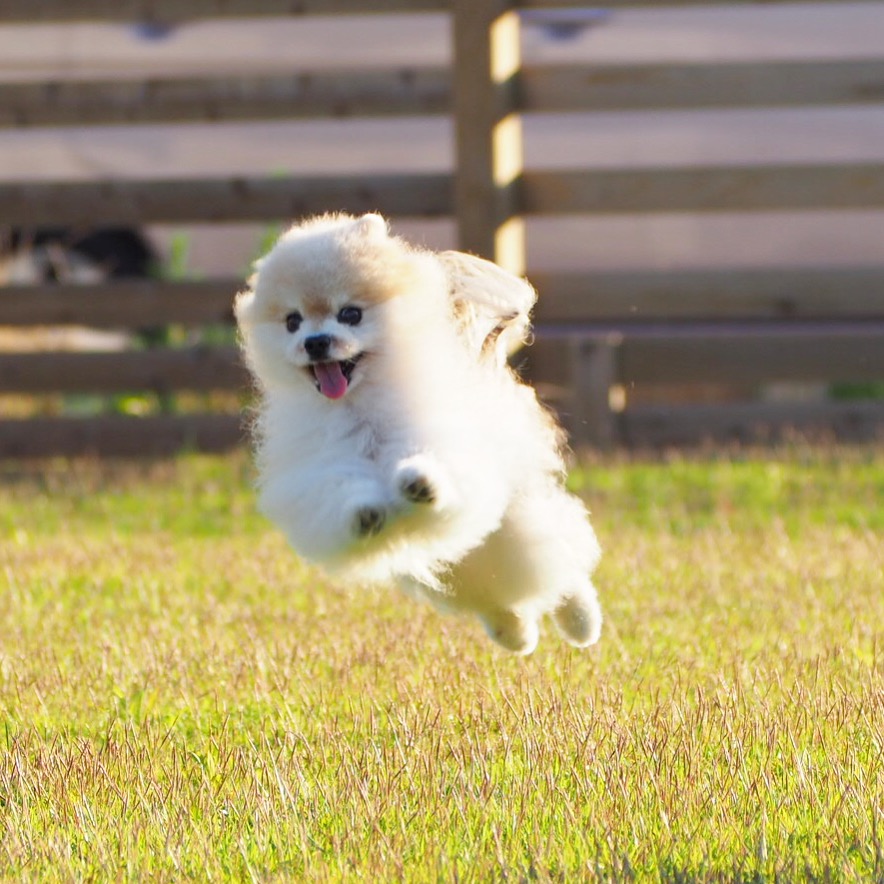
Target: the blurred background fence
(704, 221)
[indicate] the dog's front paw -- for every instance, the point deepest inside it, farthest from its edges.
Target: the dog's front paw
(369, 521)
(419, 480)
(418, 488)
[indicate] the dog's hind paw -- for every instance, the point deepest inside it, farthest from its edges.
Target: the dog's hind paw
(512, 631)
(369, 521)
(579, 619)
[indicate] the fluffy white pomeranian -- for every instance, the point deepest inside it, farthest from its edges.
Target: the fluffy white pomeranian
(395, 444)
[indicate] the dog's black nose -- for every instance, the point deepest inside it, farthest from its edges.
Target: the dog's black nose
(317, 346)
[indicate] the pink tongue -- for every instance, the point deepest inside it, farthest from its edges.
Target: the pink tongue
(332, 382)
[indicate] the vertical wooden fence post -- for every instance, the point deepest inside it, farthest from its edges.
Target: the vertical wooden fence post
(594, 371)
(488, 131)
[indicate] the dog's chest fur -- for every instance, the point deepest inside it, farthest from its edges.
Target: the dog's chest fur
(370, 433)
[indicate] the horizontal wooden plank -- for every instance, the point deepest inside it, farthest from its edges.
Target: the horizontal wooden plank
(574, 88)
(704, 189)
(610, 299)
(711, 293)
(645, 427)
(759, 354)
(184, 10)
(684, 353)
(158, 371)
(656, 4)
(119, 436)
(750, 423)
(613, 298)
(430, 195)
(172, 11)
(428, 91)
(120, 304)
(222, 199)
(314, 95)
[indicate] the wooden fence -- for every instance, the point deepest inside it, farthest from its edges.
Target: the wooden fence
(596, 332)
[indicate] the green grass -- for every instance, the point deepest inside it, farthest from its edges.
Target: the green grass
(181, 699)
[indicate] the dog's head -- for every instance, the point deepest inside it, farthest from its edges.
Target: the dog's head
(315, 312)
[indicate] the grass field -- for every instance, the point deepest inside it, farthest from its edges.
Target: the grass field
(181, 699)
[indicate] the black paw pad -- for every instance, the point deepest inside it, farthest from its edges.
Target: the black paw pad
(369, 521)
(419, 490)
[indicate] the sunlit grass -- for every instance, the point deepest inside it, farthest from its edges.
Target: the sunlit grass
(181, 698)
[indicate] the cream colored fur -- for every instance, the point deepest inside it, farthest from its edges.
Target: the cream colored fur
(437, 470)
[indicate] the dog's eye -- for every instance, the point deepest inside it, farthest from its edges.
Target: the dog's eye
(293, 322)
(350, 315)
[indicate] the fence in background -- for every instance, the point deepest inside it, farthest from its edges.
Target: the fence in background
(596, 332)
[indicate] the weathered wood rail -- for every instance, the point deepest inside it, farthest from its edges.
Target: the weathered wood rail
(597, 331)
(317, 95)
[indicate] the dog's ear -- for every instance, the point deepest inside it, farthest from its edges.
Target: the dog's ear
(372, 226)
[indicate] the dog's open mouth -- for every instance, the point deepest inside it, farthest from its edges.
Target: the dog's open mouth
(333, 378)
